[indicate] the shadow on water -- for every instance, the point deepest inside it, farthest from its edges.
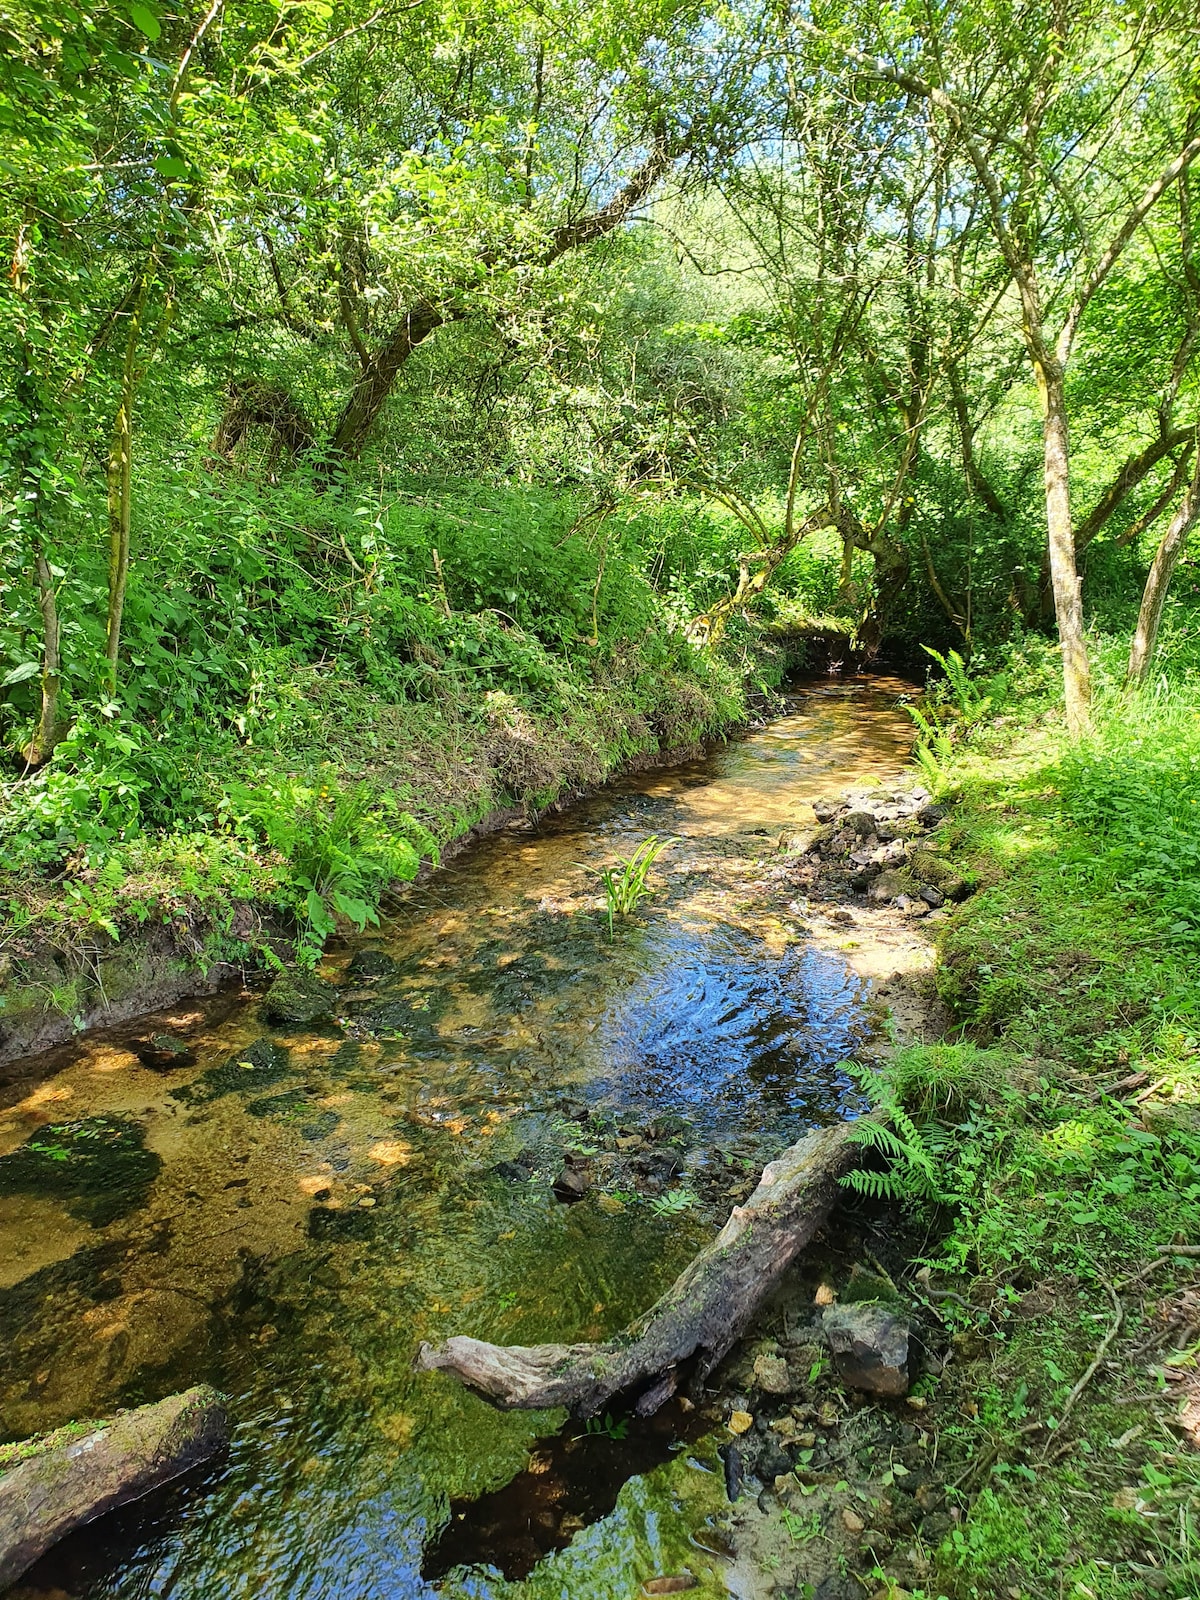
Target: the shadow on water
(287, 1213)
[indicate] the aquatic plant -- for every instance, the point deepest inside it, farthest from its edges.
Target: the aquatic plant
(626, 885)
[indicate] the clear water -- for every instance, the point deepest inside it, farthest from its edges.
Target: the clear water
(291, 1230)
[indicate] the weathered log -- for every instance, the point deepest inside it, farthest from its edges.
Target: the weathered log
(694, 1324)
(69, 1479)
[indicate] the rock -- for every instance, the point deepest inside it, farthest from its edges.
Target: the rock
(772, 1462)
(851, 1521)
(163, 1052)
(371, 964)
(771, 1375)
(836, 1587)
(891, 883)
(298, 999)
(860, 822)
(932, 897)
(864, 1285)
(740, 1422)
(571, 1184)
(869, 1341)
(826, 810)
(511, 1172)
(930, 868)
(935, 1527)
(669, 1129)
(876, 1543)
(731, 1456)
(658, 1165)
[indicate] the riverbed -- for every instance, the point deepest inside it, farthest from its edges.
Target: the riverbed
(288, 1213)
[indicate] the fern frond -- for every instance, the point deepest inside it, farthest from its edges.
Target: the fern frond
(875, 1185)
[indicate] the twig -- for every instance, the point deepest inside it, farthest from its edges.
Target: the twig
(1092, 1370)
(1179, 1249)
(981, 1464)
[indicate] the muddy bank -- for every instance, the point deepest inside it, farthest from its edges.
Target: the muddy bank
(50, 994)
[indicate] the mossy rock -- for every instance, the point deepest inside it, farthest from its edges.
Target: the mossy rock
(371, 964)
(297, 1000)
(932, 869)
(295, 1106)
(99, 1167)
(867, 1286)
(895, 881)
(258, 1065)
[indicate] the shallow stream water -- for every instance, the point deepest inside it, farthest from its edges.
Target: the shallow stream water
(287, 1213)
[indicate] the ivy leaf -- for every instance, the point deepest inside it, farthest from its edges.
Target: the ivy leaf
(145, 21)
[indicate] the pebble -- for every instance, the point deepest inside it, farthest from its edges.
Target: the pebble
(852, 1522)
(740, 1422)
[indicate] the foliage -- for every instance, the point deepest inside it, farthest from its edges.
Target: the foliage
(627, 884)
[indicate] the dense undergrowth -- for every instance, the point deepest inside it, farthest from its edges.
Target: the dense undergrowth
(1058, 1131)
(328, 686)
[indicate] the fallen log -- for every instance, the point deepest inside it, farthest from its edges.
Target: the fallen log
(70, 1477)
(694, 1324)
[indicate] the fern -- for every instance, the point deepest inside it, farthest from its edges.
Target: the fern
(912, 1149)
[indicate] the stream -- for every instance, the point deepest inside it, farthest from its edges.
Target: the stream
(286, 1213)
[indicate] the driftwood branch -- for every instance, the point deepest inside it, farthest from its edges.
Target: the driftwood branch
(64, 1484)
(693, 1325)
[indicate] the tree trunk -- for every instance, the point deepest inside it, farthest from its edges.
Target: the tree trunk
(378, 378)
(120, 487)
(46, 737)
(1065, 580)
(1158, 581)
(693, 1325)
(64, 1484)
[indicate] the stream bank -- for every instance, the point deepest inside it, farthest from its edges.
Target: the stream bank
(170, 918)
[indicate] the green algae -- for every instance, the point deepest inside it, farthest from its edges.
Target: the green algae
(258, 1065)
(652, 1532)
(99, 1167)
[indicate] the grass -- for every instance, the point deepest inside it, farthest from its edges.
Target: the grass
(1068, 1097)
(627, 883)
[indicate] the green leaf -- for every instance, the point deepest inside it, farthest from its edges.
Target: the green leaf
(145, 21)
(26, 670)
(171, 166)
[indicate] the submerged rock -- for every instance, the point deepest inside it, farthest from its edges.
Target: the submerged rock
(258, 1065)
(163, 1052)
(869, 1341)
(298, 999)
(571, 1184)
(371, 964)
